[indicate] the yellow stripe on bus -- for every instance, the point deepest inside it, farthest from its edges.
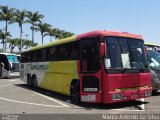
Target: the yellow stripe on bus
(59, 76)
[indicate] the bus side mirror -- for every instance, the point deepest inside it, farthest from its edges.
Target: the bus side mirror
(102, 49)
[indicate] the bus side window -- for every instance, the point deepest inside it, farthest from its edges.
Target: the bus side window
(34, 56)
(28, 56)
(43, 55)
(76, 50)
(50, 53)
(23, 57)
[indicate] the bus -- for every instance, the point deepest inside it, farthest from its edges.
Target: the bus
(94, 67)
(9, 65)
(153, 46)
(154, 64)
(19, 57)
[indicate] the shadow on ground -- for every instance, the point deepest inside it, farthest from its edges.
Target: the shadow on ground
(88, 106)
(156, 93)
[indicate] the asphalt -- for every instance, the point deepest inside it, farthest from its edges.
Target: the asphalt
(17, 99)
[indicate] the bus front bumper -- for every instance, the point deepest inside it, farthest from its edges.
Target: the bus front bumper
(12, 74)
(113, 97)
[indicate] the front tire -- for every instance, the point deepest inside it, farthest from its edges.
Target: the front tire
(29, 81)
(35, 82)
(75, 98)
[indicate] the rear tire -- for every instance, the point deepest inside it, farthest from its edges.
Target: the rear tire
(75, 93)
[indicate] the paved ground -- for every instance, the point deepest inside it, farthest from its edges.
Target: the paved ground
(17, 98)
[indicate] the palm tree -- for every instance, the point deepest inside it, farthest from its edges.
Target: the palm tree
(43, 28)
(12, 44)
(65, 34)
(35, 44)
(27, 44)
(69, 34)
(3, 37)
(6, 14)
(51, 33)
(57, 33)
(19, 17)
(33, 18)
(18, 43)
(60, 34)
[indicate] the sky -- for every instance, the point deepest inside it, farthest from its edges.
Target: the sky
(79, 16)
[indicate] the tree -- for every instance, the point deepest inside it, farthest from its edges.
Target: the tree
(12, 44)
(3, 37)
(35, 44)
(19, 17)
(33, 18)
(51, 33)
(6, 14)
(65, 34)
(43, 28)
(27, 44)
(57, 33)
(15, 42)
(60, 34)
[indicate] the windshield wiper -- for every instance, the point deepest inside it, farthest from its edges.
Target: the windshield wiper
(124, 70)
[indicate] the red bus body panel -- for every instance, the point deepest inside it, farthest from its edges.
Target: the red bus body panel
(129, 83)
(132, 86)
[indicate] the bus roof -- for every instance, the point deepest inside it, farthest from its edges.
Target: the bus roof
(109, 33)
(8, 53)
(88, 34)
(151, 44)
(57, 42)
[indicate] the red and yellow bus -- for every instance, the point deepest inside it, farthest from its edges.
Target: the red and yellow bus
(95, 67)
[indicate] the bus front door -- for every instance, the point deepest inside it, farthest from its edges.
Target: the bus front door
(90, 77)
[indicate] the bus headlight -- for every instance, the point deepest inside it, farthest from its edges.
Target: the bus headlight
(156, 78)
(117, 96)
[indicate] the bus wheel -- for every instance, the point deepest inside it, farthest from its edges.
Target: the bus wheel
(35, 83)
(29, 81)
(75, 93)
(75, 98)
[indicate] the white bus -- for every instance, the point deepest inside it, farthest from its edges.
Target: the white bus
(9, 65)
(19, 57)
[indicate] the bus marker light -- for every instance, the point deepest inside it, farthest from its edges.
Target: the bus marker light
(125, 97)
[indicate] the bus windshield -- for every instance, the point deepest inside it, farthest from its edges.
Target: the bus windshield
(12, 58)
(154, 58)
(125, 53)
